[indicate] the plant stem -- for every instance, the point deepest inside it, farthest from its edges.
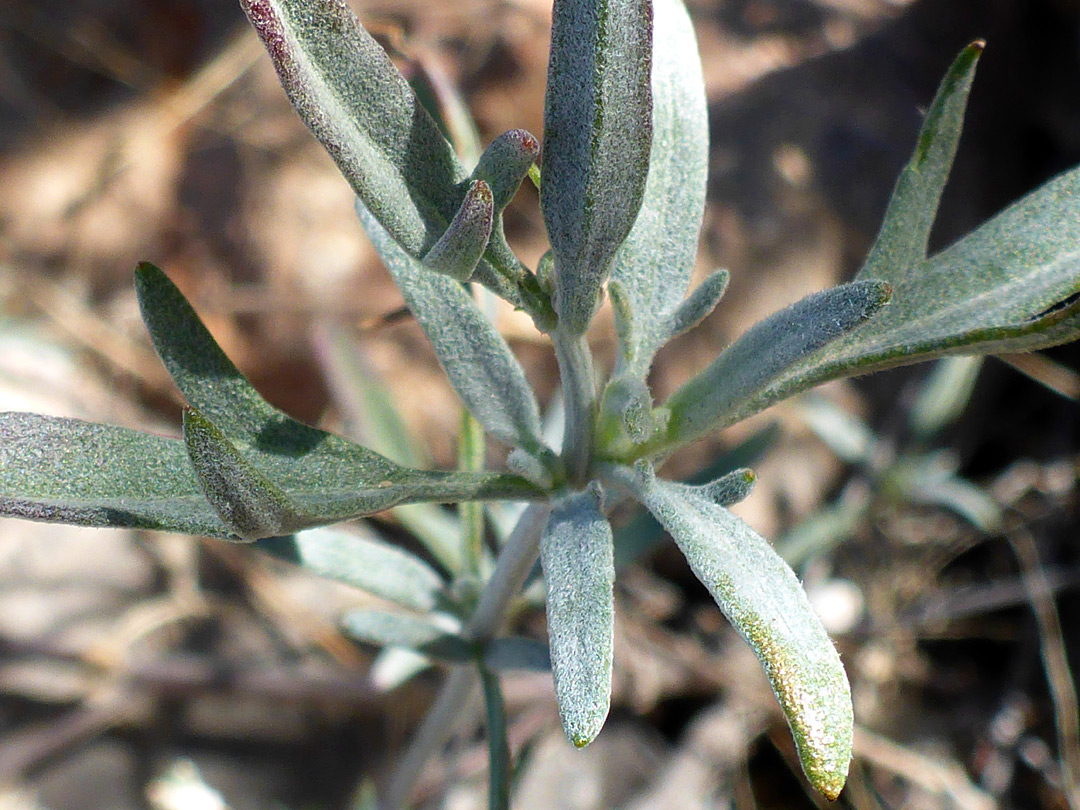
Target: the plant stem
(513, 566)
(579, 393)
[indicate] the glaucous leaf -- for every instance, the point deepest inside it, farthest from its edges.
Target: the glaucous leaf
(371, 565)
(480, 365)
(1011, 285)
(459, 249)
(363, 112)
(348, 92)
(597, 133)
(717, 396)
(576, 555)
(905, 231)
(654, 264)
(387, 629)
(69, 471)
(505, 163)
(249, 504)
(325, 477)
(763, 599)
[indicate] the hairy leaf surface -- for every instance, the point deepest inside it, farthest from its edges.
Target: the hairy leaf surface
(763, 599)
(576, 555)
(597, 132)
(654, 264)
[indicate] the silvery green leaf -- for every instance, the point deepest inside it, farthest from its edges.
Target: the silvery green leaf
(905, 231)
(576, 555)
(387, 629)
(763, 599)
(251, 506)
(944, 394)
(718, 396)
(459, 249)
(655, 262)
(597, 131)
(516, 653)
(69, 471)
(363, 112)
(325, 478)
(505, 163)
(372, 565)
(480, 365)
(729, 489)
(1009, 286)
(348, 92)
(697, 306)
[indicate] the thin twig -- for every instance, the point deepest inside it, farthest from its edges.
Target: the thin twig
(1055, 661)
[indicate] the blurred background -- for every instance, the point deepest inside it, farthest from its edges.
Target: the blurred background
(931, 511)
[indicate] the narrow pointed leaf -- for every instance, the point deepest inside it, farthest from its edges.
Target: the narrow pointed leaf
(369, 564)
(655, 262)
(905, 231)
(576, 555)
(459, 249)
(325, 478)
(717, 396)
(505, 163)
(597, 132)
(498, 743)
(69, 471)
(247, 503)
(401, 630)
(480, 365)
(763, 599)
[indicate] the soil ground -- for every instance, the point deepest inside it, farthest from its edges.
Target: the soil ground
(129, 663)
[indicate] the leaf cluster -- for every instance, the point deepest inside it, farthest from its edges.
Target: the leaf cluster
(622, 192)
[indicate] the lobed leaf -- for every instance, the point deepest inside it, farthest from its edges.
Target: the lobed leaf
(69, 471)
(324, 477)
(576, 555)
(480, 365)
(655, 262)
(718, 396)
(763, 599)
(597, 132)
(1009, 286)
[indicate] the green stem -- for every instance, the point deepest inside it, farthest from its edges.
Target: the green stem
(513, 566)
(579, 393)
